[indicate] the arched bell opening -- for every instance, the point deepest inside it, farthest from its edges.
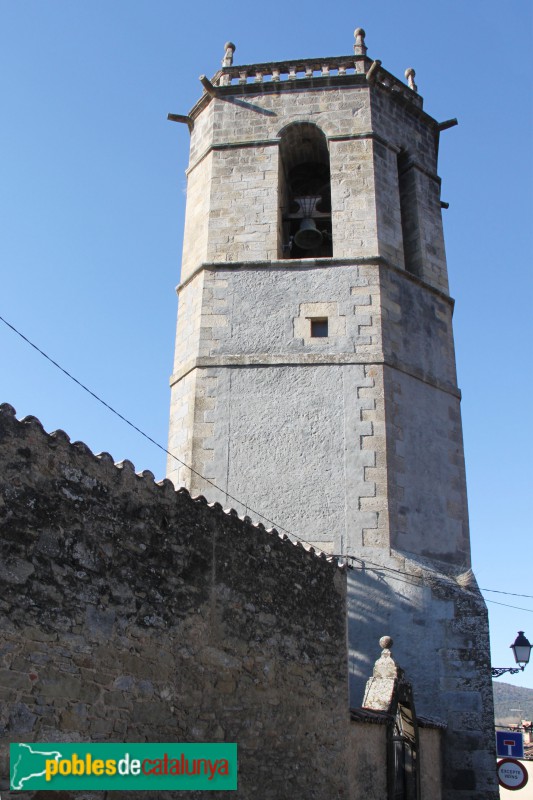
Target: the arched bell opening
(304, 193)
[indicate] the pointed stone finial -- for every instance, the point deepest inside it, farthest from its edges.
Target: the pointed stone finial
(410, 76)
(229, 49)
(359, 47)
(380, 687)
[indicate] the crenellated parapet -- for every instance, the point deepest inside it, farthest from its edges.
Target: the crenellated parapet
(318, 72)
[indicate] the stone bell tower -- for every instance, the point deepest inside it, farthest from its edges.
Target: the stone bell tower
(314, 384)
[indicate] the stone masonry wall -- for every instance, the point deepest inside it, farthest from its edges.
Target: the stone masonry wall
(131, 612)
(404, 130)
(232, 192)
(423, 419)
(363, 404)
(197, 215)
(261, 381)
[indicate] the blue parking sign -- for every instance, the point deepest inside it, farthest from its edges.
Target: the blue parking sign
(509, 744)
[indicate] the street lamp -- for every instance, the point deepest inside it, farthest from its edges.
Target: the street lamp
(521, 650)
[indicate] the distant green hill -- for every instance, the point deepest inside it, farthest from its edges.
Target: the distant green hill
(512, 703)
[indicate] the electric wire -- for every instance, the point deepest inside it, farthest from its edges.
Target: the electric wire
(508, 606)
(513, 594)
(365, 565)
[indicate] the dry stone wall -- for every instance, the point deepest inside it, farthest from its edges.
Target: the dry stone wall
(131, 612)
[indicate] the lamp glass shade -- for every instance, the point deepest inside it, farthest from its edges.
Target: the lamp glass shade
(521, 649)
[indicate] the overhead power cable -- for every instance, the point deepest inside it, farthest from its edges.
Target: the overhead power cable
(508, 606)
(513, 594)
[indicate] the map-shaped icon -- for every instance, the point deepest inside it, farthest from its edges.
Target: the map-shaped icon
(27, 762)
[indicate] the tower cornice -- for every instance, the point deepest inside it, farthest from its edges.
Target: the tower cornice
(300, 75)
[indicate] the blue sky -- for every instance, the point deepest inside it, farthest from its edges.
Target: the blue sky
(92, 204)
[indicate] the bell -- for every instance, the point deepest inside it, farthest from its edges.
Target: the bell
(308, 237)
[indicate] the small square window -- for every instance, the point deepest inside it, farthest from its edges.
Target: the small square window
(319, 327)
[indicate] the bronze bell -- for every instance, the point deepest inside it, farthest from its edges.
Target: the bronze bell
(308, 237)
